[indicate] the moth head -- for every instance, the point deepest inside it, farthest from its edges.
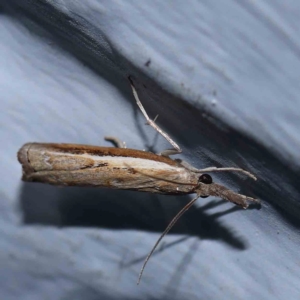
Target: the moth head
(206, 188)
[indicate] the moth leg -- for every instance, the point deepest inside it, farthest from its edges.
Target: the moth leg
(117, 142)
(152, 123)
(214, 169)
(169, 152)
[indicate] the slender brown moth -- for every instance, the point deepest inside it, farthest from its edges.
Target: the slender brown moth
(127, 169)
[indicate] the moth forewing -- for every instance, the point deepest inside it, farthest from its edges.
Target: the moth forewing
(119, 168)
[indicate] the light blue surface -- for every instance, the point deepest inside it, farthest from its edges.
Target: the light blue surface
(223, 79)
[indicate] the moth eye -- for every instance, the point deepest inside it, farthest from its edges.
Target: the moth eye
(205, 178)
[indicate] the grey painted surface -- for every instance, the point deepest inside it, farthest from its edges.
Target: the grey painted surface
(224, 81)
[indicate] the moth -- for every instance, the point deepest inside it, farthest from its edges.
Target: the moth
(127, 169)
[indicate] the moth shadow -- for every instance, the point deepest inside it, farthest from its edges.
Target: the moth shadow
(121, 210)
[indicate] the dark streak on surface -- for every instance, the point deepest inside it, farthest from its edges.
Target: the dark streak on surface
(132, 171)
(148, 62)
(103, 165)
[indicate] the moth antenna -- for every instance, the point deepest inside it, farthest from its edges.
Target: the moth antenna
(171, 224)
